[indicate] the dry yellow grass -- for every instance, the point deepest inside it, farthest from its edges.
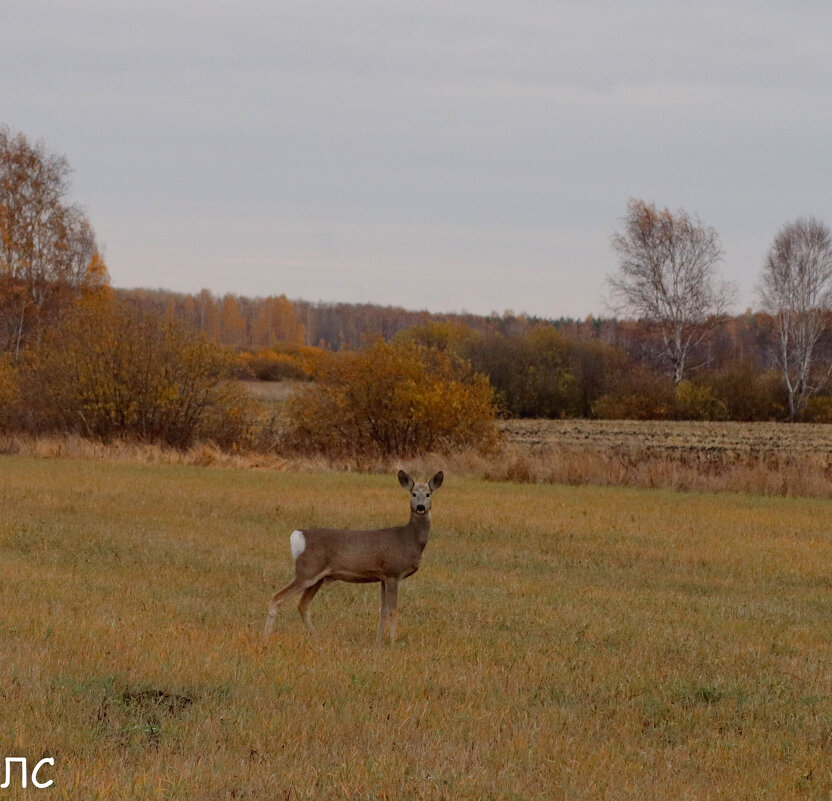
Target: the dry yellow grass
(766, 459)
(272, 392)
(706, 440)
(559, 642)
(761, 458)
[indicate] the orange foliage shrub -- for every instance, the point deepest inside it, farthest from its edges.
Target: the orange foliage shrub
(109, 370)
(390, 399)
(269, 364)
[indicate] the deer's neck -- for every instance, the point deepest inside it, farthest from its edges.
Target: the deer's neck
(419, 527)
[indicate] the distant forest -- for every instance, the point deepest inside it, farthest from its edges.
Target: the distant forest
(77, 355)
(595, 367)
(265, 322)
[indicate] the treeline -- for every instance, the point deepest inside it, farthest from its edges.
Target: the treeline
(106, 370)
(266, 321)
(683, 357)
(545, 372)
(77, 356)
(252, 323)
(594, 367)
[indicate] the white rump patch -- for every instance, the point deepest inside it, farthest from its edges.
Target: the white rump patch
(297, 544)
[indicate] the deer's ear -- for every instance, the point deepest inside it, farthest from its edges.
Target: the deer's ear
(436, 482)
(405, 480)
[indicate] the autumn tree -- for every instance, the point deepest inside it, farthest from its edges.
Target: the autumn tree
(529, 373)
(48, 251)
(189, 310)
(389, 399)
(667, 276)
(111, 370)
(208, 316)
(796, 289)
(170, 310)
(232, 324)
(443, 335)
(277, 322)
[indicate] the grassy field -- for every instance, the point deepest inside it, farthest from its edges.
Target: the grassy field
(273, 393)
(558, 642)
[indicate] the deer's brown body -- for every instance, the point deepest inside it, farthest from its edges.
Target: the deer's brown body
(363, 556)
(386, 555)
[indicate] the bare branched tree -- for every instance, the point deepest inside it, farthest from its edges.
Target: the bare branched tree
(46, 244)
(666, 276)
(796, 289)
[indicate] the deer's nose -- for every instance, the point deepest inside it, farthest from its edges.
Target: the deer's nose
(420, 507)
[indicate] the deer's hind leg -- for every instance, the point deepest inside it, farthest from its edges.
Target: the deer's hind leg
(306, 599)
(296, 585)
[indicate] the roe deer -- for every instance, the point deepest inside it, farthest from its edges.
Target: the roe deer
(387, 555)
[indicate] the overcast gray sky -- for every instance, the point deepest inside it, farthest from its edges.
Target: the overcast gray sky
(441, 155)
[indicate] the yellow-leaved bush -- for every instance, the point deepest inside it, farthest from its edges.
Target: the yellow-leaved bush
(270, 364)
(108, 370)
(389, 399)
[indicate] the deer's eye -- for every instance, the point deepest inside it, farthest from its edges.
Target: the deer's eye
(413, 494)
(427, 495)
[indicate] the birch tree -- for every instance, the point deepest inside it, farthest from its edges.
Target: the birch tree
(667, 276)
(47, 246)
(796, 289)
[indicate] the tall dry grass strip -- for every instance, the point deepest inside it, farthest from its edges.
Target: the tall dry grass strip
(757, 458)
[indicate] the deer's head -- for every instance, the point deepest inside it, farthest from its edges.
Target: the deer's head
(420, 494)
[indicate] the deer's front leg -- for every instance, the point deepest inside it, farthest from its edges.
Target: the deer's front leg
(382, 612)
(392, 612)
